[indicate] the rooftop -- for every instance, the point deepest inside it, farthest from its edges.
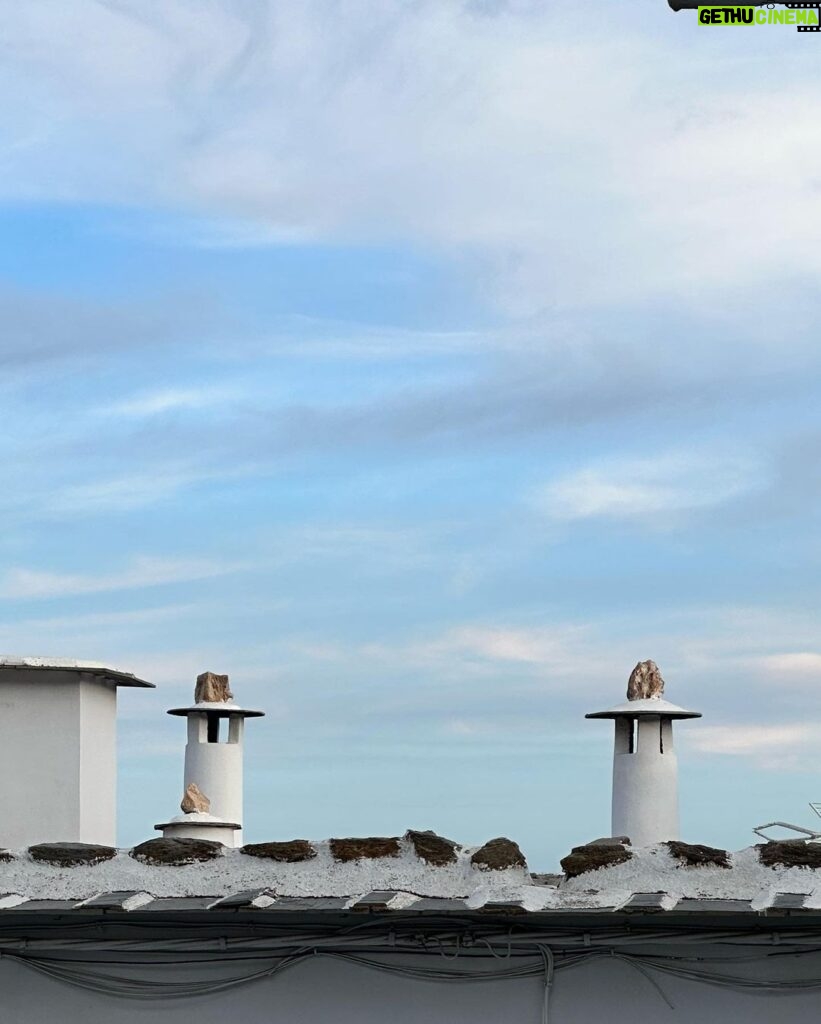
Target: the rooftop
(92, 668)
(418, 872)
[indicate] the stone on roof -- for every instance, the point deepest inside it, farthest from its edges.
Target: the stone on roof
(71, 854)
(790, 853)
(595, 855)
(290, 852)
(431, 848)
(370, 848)
(697, 856)
(176, 852)
(497, 854)
(389, 875)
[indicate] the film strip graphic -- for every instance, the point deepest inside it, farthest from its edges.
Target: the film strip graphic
(803, 7)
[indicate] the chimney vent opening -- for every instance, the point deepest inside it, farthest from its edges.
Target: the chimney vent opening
(213, 726)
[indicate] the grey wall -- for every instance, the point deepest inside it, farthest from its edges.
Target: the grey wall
(328, 992)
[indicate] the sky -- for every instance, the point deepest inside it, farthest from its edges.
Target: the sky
(423, 365)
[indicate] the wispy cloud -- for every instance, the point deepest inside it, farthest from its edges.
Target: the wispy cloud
(144, 571)
(127, 492)
(153, 403)
(801, 666)
(122, 493)
(786, 746)
(649, 489)
(551, 653)
(541, 646)
(349, 133)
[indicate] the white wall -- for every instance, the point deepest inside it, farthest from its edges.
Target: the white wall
(645, 783)
(216, 768)
(98, 763)
(49, 790)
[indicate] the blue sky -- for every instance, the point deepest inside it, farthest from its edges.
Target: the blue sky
(423, 366)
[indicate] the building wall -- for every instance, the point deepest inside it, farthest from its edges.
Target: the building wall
(98, 763)
(318, 991)
(39, 761)
(57, 759)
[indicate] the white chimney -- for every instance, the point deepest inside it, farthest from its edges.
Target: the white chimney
(212, 800)
(645, 767)
(58, 751)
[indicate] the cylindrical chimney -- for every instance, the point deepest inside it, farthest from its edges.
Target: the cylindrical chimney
(645, 767)
(212, 804)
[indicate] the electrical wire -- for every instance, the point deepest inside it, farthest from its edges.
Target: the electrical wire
(509, 964)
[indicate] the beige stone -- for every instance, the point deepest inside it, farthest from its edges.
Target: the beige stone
(194, 800)
(645, 681)
(212, 689)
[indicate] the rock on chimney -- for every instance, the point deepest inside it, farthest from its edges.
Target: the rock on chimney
(645, 767)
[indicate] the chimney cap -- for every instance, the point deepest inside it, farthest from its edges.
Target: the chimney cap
(224, 709)
(201, 818)
(105, 674)
(657, 706)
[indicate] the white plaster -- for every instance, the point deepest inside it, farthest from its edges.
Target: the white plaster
(646, 706)
(645, 783)
(58, 754)
(645, 769)
(58, 759)
(650, 869)
(97, 748)
(234, 871)
(94, 668)
(654, 869)
(199, 825)
(216, 768)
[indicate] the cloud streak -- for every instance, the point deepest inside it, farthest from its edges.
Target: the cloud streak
(169, 400)
(642, 191)
(655, 490)
(141, 572)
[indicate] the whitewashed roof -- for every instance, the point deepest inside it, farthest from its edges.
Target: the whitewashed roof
(650, 880)
(94, 668)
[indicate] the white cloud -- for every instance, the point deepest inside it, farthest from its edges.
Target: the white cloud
(144, 571)
(551, 653)
(153, 403)
(122, 493)
(655, 489)
(133, 490)
(752, 740)
(528, 646)
(788, 746)
(791, 666)
(432, 122)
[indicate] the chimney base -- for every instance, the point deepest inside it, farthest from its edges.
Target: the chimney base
(199, 825)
